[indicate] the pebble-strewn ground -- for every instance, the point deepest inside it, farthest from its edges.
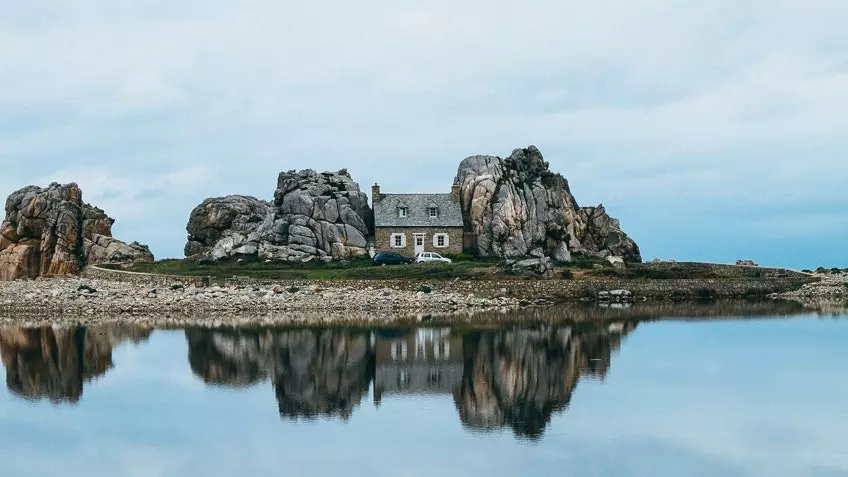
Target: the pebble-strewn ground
(82, 297)
(830, 288)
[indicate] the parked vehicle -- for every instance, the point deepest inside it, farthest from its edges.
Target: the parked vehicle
(391, 258)
(424, 257)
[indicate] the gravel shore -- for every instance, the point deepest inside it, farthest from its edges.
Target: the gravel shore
(829, 289)
(91, 297)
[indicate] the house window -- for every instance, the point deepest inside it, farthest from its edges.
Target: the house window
(434, 212)
(403, 212)
(441, 240)
(398, 240)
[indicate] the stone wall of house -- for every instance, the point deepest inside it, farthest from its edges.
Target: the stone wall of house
(382, 239)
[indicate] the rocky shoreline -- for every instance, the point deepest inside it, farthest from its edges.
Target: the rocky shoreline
(829, 291)
(82, 297)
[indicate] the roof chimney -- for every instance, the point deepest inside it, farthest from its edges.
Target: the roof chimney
(375, 193)
(455, 193)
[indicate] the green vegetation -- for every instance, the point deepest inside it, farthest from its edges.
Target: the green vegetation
(464, 267)
(424, 289)
(358, 269)
(86, 288)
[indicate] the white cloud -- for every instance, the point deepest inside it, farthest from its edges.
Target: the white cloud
(619, 95)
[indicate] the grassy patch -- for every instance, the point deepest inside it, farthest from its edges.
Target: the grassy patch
(346, 270)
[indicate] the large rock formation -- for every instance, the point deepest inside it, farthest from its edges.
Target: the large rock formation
(517, 207)
(314, 216)
(53, 232)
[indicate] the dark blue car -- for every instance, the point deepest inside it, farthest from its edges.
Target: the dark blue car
(391, 258)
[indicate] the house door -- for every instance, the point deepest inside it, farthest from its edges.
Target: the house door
(419, 243)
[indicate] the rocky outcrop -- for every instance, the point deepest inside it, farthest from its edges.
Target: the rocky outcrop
(516, 207)
(321, 216)
(52, 231)
(54, 363)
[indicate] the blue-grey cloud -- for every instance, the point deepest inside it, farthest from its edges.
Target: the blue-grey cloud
(702, 114)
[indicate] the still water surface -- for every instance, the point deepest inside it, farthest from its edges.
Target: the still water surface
(766, 396)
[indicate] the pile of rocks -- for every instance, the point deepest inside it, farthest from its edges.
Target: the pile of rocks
(314, 216)
(517, 207)
(63, 296)
(51, 231)
(830, 287)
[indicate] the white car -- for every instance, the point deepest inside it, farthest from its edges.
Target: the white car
(431, 257)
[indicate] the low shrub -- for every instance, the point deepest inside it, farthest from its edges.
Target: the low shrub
(177, 286)
(86, 288)
(704, 293)
(292, 289)
(566, 274)
(424, 288)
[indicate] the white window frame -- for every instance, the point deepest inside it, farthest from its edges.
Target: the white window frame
(393, 240)
(403, 211)
(433, 211)
(436, 240)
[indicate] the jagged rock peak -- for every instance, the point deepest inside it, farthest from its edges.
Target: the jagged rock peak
(516, 207)
(51, 231)
(314, 215)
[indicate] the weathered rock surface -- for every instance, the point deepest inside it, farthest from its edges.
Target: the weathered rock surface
(52, 231)
(516, 206)
(314, 215)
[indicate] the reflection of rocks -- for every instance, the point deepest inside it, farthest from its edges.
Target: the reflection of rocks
(225, 357)
(516, 378)
(519, 378)
(324, 372)
(54, 363)
(314, 372)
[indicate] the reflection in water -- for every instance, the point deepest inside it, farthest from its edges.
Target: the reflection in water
(514, 378)
(54, 363)
(314, 372)
(519, 378)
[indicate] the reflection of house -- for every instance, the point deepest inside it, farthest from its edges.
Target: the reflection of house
(423, 361)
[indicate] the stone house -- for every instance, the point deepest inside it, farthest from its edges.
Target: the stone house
(413, 223)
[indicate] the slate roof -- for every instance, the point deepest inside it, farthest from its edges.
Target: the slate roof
(418, 215)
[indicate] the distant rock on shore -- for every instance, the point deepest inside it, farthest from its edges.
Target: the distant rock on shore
(516, 207)
(52, 231)
(314, 215)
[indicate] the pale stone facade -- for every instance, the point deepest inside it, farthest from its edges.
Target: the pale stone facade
(383, 239)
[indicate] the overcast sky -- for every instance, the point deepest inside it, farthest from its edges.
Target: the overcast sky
(714, 130)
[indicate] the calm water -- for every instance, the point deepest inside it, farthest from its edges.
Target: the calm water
(757, 397)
